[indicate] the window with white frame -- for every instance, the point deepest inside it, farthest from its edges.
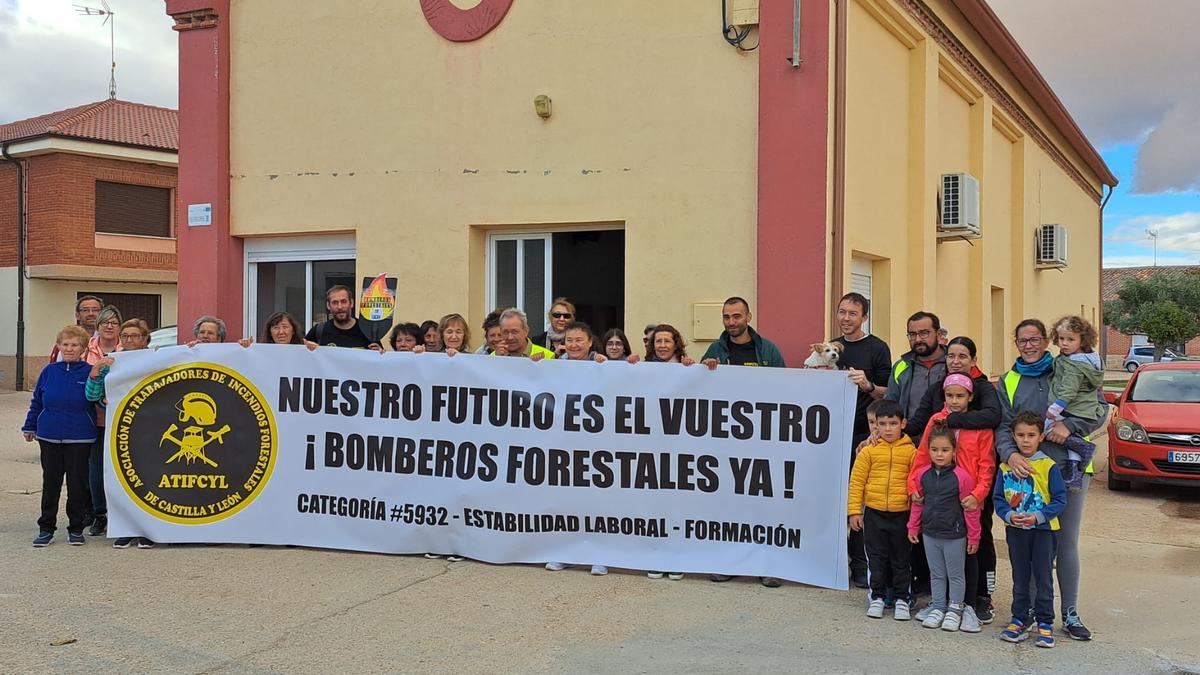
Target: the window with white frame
(519, 274)
(291, 274)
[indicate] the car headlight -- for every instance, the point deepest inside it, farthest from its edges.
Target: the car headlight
(1131, 431)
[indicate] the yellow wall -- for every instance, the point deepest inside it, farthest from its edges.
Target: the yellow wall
(913, 113)
(421, 146)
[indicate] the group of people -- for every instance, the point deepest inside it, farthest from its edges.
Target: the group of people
(919, 513)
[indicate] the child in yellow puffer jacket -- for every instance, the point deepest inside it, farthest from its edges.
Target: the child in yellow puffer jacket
(878, 504)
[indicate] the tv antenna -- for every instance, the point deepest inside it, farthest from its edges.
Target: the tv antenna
(1153, 234)
(110, 18)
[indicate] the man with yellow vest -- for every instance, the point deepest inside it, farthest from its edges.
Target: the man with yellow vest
(514, 331)
(922, 367)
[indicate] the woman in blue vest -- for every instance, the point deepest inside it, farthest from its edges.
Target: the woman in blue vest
(1027, 387)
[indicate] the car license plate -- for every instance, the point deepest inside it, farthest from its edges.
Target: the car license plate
(1183, 457)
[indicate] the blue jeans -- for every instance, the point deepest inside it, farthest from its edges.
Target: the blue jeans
(1031, 553)
(96, 474)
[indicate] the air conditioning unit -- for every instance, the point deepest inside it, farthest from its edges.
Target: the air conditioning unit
(958, 215)
(1050, 246)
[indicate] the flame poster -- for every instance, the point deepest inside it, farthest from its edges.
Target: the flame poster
(377, 306)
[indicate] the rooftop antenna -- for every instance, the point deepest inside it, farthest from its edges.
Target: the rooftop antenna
(1153, 234)
(110, 18)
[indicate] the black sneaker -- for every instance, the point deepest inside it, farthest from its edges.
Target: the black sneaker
(984, 611)
(145, 543)
(718, 578)
(1074, 628)
(75, 538)
(99, 525)
(859, 579)
(123, 542)
(43, 539)
(770, 582)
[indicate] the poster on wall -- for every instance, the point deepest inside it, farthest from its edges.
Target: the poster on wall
(377, 306)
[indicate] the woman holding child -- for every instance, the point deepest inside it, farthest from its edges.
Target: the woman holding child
(1027, 387)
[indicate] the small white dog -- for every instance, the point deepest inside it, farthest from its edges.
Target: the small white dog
(824, 356)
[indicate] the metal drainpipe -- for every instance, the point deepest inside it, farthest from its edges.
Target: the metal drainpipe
(21, 217)
(837, 259)
(1102, 327)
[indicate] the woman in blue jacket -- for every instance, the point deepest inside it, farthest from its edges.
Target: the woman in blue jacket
(64, 423)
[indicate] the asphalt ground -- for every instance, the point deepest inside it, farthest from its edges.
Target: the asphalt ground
(209, 609)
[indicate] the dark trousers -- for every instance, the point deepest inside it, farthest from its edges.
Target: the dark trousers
(888, 551)
(855, 547)
(1031, 553)
(985, 578)
(59, 460)
(96, 474)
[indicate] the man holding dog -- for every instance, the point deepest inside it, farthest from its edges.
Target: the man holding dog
(741, 345)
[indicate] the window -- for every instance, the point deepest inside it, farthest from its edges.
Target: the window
(291, 274)
(861, 281)
(520, 270)
(133, 209)
(132, 305)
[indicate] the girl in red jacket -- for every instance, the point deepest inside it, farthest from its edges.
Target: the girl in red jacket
(976, 454)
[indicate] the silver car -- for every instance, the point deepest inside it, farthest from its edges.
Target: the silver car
(1145, 354)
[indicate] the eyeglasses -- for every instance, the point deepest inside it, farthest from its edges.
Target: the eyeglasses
(110, 323)
(920, 334)
(560, 315)
(615, 343)
(1029, 342)
(131, 336)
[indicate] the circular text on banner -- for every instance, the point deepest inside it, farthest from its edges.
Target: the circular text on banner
(193, 444)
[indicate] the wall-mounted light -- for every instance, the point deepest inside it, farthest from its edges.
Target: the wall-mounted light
(541, 105)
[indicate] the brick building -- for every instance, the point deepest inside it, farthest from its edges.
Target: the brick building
(94, 188)
(1116, 343)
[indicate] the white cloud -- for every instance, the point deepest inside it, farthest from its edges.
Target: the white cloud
(1126, 71)
(1177, 234)
(54, 58)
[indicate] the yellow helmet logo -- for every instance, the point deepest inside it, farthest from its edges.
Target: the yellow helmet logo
(198, 407)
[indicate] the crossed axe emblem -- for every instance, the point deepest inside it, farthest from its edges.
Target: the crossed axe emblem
(193, 443)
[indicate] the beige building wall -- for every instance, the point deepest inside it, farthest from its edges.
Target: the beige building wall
(50, 305)
(914, 113)
(422, 147)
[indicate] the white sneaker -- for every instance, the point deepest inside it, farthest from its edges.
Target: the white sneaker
(923, 613)
(599, 570)
(952, 620)
(455, 558)
(674, 576)
(970, 621)
(432, 556)
(934, 619)
(875, 609)
(902, 611)
(654, 575)
(556, 566)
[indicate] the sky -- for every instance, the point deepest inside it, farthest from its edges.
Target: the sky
(1128, 71)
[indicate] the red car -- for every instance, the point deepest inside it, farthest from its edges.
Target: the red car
(1154, 437)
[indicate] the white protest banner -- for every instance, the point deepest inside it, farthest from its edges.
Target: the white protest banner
(647, 466)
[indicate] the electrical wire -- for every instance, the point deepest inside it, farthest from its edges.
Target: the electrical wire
(732, 34)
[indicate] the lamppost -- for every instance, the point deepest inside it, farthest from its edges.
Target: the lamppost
(1153, 234)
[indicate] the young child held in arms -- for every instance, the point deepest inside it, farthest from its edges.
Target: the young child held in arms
(1030, 507)
(951, 531)
(878, 505)
(974, 454)
(1074, 386)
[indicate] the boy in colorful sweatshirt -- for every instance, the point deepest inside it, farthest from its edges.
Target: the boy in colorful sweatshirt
(1030, 506)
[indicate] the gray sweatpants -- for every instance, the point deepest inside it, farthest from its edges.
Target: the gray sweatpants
(1067, 557)
(947, 564)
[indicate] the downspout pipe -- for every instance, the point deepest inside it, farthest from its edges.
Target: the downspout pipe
(838, 255)
(1103, 326)
(19, 383)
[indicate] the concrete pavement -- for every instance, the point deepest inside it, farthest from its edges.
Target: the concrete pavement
(223, 609)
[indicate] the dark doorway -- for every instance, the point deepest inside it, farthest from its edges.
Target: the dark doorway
(589, 269)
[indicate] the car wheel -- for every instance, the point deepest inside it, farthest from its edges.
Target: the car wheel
(1131, 366)
(1117, 485)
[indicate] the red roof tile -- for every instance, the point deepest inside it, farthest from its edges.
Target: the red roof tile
(109, 121)
(1112, 279)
